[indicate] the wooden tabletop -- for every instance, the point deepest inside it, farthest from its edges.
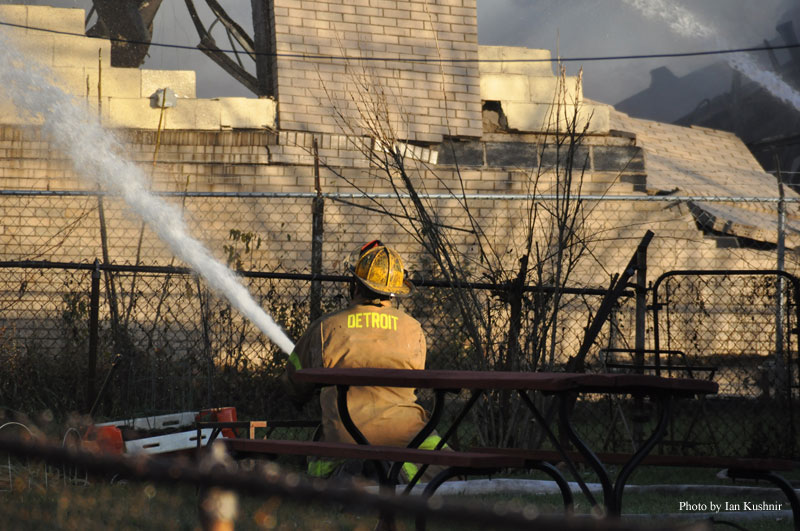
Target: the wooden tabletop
(538, 381)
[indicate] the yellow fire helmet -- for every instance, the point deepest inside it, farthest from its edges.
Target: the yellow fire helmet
(380, 269)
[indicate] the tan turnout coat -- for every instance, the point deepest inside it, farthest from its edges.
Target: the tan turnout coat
(368, 333)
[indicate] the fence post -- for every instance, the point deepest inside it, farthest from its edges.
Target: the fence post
(218, 506)
(781, 374)
(317, 230)
(641, 307)
(640, 414)
(94, 311)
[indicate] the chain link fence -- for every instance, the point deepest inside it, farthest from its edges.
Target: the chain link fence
(166, 342)
(738, 328)
(274, 231)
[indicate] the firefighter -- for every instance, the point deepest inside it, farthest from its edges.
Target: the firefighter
(370, 332)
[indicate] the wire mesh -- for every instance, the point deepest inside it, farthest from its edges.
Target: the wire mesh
(739, 328)
(181, 346)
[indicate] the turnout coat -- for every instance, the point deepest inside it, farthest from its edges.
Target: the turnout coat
(368, 333)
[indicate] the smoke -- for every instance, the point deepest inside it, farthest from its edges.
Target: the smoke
(684, 23)
(679, 19)
(581, 28)
(94, 153)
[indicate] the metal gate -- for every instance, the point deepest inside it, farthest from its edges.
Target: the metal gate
(740, 329)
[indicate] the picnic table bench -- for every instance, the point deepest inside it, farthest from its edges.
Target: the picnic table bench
(389, 459)
(456, 463)
(487, 461)
(737, 468)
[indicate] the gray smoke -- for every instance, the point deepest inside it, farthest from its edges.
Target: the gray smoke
(572, 28)
(613, 27)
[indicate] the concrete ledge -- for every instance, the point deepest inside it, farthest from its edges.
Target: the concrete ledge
(71, 80)
(247, 113)
(11, 115)
(500, 59)
(71, 50)
(55, 18)
(138, 113)
(14, 15)
(192, 114)
(206, 113)
(549, 90)
(530, 89)
(182, 82)
(50, 18)
(509, 87)
(541, 117)
(116, 83)
(55, 50)
(38, 46)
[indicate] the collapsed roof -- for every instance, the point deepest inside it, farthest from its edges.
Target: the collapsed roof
(699, 162)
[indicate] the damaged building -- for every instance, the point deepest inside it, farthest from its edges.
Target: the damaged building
(720, 97)
(485, 116)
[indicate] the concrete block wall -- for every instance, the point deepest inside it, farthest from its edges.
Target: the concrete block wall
(53, 49)
(68, 228)
(532, 97)
(425, 100)
(263, 161)
(81, 66)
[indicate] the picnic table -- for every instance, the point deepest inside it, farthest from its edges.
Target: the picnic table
(564, 386)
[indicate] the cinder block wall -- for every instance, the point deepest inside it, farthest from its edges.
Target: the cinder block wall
(67, 229)
(81, 66)
(425, 100)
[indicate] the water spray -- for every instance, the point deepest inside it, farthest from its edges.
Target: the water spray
(681, 21)
(94, 153)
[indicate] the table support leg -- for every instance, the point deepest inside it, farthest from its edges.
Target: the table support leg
(436, 415)
(344, 413)
(442, 441)
(437, 481)
(563, 486)
(564, 404)
(557, 445)
(476, 394)
(665, 407)
(782, 483)
(419, 438)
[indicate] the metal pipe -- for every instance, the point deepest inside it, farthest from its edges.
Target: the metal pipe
(781, 376)
(500, 197)
(94, 312)
(317, 238)
(38, 264)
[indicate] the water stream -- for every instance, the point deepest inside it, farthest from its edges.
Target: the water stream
(684, 23)
(95, 155)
